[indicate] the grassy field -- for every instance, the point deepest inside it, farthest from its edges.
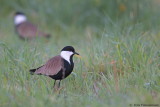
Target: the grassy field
(119, 41)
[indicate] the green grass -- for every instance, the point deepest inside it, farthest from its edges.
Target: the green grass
(120, 52)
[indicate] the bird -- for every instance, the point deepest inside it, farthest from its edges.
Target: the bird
(59, 67)
(25, 29)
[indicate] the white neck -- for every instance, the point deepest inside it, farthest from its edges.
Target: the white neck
(18, 19)
(66, 55)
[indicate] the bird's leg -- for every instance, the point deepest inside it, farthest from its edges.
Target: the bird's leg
(59, 83)
(54, 84)
(56, 87)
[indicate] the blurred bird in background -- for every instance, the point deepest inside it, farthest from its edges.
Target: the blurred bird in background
(25, 29)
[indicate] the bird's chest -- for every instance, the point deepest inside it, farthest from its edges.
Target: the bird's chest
(68, 68)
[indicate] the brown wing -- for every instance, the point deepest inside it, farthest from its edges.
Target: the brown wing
(28, 30)
(52, 67)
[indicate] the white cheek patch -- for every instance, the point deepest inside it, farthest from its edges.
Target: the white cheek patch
(19, 19)
(66, 55)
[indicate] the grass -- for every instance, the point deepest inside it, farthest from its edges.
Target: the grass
(119, 46)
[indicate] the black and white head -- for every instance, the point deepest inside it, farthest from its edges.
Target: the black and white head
(19, 18)
(67, 52)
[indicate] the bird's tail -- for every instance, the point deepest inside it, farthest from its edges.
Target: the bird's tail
(32, 71)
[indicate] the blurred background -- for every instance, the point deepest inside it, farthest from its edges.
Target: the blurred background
(60, 16)
(119, 41)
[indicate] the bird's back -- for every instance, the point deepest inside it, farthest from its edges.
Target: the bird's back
(29, 30)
